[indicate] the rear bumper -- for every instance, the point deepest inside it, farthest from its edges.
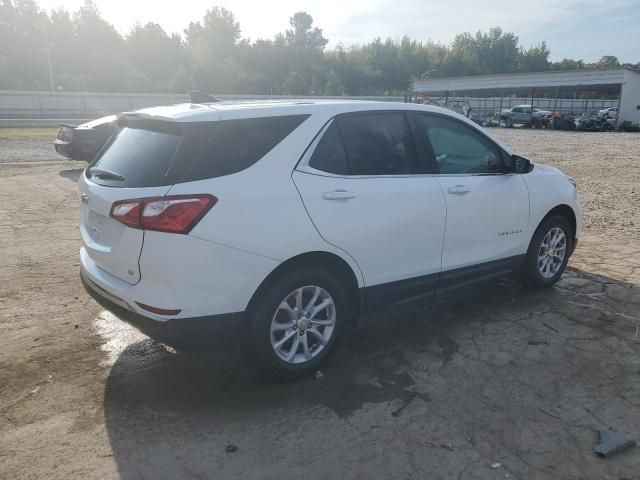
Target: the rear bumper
(62, 148)
(208, 333)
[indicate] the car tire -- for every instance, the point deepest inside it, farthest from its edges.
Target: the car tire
(311, 338)
(548, 253)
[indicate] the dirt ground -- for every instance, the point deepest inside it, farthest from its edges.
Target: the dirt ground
(490, 382)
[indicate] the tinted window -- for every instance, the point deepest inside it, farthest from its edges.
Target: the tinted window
(235, 145)
(142, 157)
(329, 155)
(378, 144)
(459, 148)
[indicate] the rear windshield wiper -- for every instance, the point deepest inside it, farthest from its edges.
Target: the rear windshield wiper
(106, 174)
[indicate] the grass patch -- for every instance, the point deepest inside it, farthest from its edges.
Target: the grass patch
(28, 133)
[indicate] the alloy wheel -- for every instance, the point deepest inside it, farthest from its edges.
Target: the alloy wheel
(552, 251)
(303, 324)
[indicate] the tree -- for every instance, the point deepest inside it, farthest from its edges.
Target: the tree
(211, 44)
(98, 53)
(482, 53)
(23, 45)
(303, 35)
(534, 59)
(88, 53)
(608, 61)
(568, 64)
(155, 54)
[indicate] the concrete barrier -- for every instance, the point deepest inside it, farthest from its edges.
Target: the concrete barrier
(27, 108)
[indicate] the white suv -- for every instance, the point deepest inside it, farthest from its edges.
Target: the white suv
(273, 225)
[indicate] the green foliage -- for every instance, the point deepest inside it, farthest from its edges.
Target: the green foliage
(88, 53)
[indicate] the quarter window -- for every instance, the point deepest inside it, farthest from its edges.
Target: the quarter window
(329, 155)
(234, 145)
(459, 149)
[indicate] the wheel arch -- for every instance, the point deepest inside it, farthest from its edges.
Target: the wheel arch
(331, 262)
(565, 211)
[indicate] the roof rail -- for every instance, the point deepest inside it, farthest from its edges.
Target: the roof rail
(196, 96)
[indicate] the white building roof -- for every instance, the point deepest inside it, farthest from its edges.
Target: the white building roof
(589, 79)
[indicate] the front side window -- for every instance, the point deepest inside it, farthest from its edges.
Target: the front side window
(459, 149)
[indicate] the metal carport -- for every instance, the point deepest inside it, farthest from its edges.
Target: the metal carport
(623, 83)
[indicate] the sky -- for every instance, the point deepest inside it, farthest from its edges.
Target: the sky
(579, 29)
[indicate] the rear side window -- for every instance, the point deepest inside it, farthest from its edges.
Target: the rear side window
(234, 145)
(367, 144)
(140, 157)
(378, 144)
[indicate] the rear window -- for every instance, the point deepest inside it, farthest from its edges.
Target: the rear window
(234, 145)
(142, 158)
(162, 153)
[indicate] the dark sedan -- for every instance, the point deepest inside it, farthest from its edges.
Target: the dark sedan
(82, 142)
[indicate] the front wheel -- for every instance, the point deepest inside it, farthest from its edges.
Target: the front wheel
(297, 322)
(548, 253)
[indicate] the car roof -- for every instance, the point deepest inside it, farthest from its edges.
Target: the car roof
(202, 112)
(227, 110)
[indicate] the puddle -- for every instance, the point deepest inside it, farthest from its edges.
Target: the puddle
(116, 335)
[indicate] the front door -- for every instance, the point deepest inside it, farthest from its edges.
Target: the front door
(487, 206)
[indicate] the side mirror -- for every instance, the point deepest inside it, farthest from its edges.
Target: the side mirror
(521, 164)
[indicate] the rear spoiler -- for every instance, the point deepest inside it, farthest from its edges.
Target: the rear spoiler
(196, 96)
(147, 122)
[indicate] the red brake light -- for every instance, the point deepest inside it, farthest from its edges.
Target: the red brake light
(65, 134)
(171, 214)
(160, 311)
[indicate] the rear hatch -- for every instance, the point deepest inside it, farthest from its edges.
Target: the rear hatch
(136, 162)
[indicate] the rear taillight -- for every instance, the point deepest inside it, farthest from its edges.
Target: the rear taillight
(65, 134)
(172, 214)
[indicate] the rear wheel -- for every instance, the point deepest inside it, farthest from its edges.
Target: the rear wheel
(548, 253)
(297, 322)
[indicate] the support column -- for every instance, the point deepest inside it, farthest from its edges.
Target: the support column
(533, 91)
(555, 107)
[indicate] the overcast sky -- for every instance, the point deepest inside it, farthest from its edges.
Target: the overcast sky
(586, 29)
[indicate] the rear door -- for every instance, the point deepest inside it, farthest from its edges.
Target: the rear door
(487, 205)
(367, 193)
(136, 163)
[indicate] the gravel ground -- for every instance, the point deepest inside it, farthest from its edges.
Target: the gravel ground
(605, 165)
(13, 150)
(489, 376)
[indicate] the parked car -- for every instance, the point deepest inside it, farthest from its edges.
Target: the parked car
(273, 225)
(611, 112)
(82, 142)
(521, 114)
(594, 123)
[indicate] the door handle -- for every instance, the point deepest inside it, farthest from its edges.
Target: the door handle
(459, 190)
(338, 195)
